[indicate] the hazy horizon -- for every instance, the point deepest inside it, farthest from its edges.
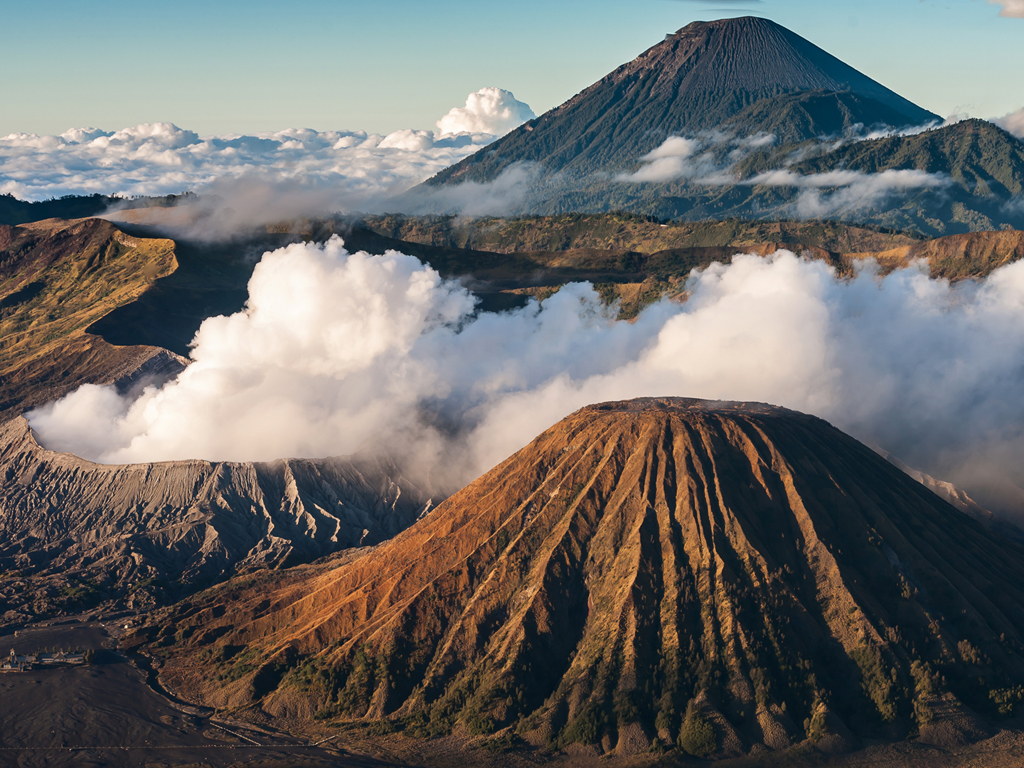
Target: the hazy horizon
(344, 66)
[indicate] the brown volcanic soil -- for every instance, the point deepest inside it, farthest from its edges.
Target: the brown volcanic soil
(56, 278)
(957, 256)
(726, 577)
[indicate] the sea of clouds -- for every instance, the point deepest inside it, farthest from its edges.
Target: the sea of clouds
(339, 166)
(268, 177)
(337, 351)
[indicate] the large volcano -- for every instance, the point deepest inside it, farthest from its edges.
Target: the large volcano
(718, 576)
(748, 75)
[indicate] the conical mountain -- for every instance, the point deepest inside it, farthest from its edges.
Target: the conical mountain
(746, 74)
(717, 576)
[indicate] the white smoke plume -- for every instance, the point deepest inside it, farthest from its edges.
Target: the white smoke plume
(489, 110)
(162, 159)
(336, 349)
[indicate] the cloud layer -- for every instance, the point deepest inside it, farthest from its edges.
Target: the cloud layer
(161, 158)
(338, 349)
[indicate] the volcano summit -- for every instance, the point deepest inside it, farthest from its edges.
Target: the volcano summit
(659, 571)
(745, 75)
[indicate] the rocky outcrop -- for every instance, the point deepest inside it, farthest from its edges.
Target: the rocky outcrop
(183, 524)
(715, 576)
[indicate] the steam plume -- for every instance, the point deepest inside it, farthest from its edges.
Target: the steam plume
(336, 349)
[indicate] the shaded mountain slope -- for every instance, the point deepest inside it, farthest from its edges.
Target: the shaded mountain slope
(71, 530)
(793, 117)
(980, 157)
(56, 279)
(705, 76)
(717, 576)
(977, 184)
(15, 211)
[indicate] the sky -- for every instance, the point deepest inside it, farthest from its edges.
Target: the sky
(219, 68)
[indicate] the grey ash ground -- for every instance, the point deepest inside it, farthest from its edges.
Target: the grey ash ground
(106, 714)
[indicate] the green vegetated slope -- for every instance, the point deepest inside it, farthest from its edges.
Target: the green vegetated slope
(56, 279)
(657, 574)
(983, 163)
(979, 157)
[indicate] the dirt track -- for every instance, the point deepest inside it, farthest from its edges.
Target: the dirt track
(105, 714)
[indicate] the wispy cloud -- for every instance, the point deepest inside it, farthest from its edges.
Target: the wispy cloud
(1013, 122)
(1012, 9)
(711, 161)
(826, 194)
(707, 159)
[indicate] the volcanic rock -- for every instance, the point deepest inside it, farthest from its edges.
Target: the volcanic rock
(71, 528)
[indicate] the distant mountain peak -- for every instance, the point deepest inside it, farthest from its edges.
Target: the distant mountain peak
(738, 565)
(749, 54)
(700, 78)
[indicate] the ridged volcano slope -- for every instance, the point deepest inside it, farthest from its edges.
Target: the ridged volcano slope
(74, 532)
(706, 76)
(721, 575)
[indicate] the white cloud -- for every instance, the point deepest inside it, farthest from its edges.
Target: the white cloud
(1013, 9)
(671, 160)
(144, 161)
(1013, 122)
(700, 161)
(335, 349)
(826, 194)
(507, 195)
(161, 158)
(489, 110)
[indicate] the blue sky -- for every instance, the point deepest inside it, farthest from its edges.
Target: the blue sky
(223, 67)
